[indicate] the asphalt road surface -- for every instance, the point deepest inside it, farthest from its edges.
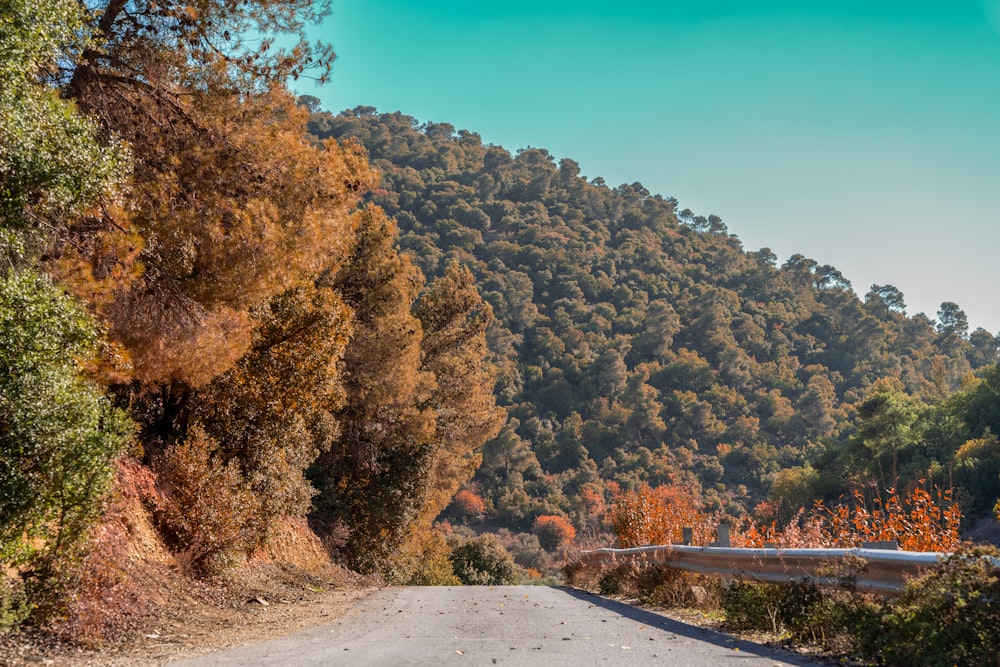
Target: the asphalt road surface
(501, 625)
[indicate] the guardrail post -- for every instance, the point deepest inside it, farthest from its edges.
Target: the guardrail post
(687, 536)
(723, 533)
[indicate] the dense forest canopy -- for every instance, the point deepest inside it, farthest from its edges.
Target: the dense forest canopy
(639, 342)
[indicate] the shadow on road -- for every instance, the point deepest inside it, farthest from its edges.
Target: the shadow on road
(739, 647)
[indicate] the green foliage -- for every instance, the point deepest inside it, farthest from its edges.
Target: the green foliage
(802, 611)
(639, 343)
(50, 159)
(948, 616)
(753, 606)
(14, 605)
(58, 435)
(483, 561)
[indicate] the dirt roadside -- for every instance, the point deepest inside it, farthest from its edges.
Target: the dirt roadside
(196, 618)
(137, 603)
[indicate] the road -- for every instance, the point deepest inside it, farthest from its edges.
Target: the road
(502, 625)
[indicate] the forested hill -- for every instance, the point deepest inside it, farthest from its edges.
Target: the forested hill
(643, 343)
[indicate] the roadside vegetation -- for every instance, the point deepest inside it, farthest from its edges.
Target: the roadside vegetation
(946, 616)
(231, 322)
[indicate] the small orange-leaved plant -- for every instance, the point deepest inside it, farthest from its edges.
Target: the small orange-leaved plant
(659, 515)
(924, 520)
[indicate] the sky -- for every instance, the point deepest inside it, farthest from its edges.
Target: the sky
(864, 134)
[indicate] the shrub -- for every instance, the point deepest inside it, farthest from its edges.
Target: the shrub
(14, 606)
(424, 561)
(922, 521)
(659, 585)
(468, 505)
(58, 434)
(658, 516)
(483, 561)
(553, 532)
(618, 580)
(925, 520)
(803, 611)
(207, 504)
(949, 616)
(752, 606)
(527, 551)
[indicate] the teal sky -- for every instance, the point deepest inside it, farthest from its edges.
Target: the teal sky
(862, 134)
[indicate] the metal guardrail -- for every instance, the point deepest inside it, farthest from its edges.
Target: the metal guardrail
(871, 570)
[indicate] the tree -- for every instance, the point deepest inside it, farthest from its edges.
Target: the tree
(58, 434)
(887, 418)
(51, 161)
(885, 298)
(553, 531)
(468, 505)
(255, 429)
(983, 348)
(454, 319)
(952, 321)
(227, 222)
(827, 277)
(373, 477)
(220, 158)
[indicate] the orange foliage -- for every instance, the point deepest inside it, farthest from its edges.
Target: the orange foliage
(799, 533)
(658, 516)
(592, 501)
(923, 521)
(920, 522)
(225, 211)
(469, 504)
(553, 531)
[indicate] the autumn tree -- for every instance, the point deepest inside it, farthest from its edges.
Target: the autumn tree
(260, 425)
(454, 319)
(468, 505)
(373, 477)
(553, 531)
(205, 274)
(219, 217)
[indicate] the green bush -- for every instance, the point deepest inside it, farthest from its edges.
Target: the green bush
(14, 607)
(949, 616)
(58, 434)
(616, 581)
(753, 606)
(802, 610)
(483, 561)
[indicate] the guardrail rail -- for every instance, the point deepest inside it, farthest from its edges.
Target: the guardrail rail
(872, 570)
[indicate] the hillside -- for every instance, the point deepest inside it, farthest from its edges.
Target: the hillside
(640, 342)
